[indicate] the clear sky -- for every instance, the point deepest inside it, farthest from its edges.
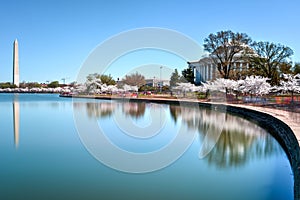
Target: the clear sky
(56, 36)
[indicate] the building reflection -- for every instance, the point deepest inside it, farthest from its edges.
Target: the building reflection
(16, 120)
(239, 141)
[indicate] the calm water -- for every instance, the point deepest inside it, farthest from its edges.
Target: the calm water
(43, 156)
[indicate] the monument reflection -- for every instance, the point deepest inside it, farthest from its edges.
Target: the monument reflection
(16, 120)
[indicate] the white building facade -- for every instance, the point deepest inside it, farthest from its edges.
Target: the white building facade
(157, 82)
(206, 69)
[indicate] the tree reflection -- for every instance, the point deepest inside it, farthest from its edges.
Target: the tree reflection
(236, 149)
(134, 109)
(240, 140)
(227, 140)
(99, 110)
(175, 112)
(106, 109)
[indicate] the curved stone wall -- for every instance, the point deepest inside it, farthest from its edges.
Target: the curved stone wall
(281, 131)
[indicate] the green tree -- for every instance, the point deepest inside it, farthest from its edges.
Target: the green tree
(175, 78)
(30, 85)
(285, 68)
(225, 47)
(107, 79)
(268, 58)
(134, 79)
(296, 68)
(145, 88)
(7, 85)
(53, 84)
(102, 78)
(188, 75)
(94, 76)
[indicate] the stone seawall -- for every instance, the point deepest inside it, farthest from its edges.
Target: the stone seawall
(282, 132)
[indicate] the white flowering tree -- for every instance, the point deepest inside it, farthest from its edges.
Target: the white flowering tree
(130, 88)
(291, 84)
(112, 89)
(188, 87)
(216, 85)
(225, 86)
(39, 90)
(93, 84)
(183, 87)
(79, 88)
(220, 85)
(255, 85)
(238, 87)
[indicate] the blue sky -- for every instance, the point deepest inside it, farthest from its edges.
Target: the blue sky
(56, 36)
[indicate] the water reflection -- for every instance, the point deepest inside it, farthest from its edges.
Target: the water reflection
(239, 142)
(50, 131)
(16, 121)
(98, 110)
(22, 101)
(234, 141)
(135, 110)
(106, 109)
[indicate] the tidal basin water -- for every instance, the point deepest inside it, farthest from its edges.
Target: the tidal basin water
(44, 154)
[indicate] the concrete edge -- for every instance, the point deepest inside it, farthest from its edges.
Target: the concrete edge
(281, 132)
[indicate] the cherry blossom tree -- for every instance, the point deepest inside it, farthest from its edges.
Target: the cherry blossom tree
(188, 87)
(291, 84)
(129, 88)
(79, 88)
(221, 85)
(93, 84)
(66, 89)
(255, 85)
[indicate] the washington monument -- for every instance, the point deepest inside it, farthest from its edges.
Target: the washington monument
(16, 76)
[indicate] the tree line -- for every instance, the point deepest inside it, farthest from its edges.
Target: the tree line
(264, 58)
(53, 84)
(225, 48)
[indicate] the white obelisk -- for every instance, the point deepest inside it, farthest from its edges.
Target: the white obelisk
(16, 76)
